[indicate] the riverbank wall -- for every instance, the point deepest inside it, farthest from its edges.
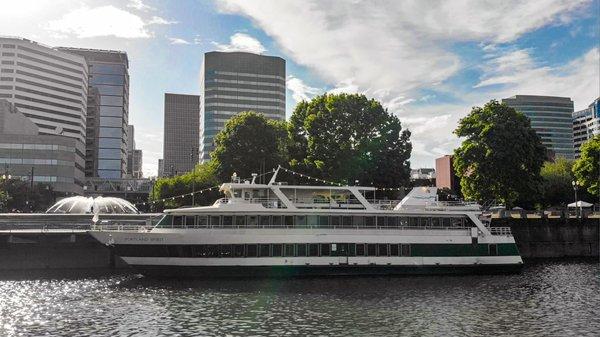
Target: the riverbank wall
(545, 237)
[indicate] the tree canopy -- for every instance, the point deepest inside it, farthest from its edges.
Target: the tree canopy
(586, 168)
(557, 188)
(501, 155)
(348, 137)
(17, 195)
(249, 143)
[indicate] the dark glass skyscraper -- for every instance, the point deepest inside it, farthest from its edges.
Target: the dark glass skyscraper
(182, 125)
(109, 74)
(236, 81)
(551, 118)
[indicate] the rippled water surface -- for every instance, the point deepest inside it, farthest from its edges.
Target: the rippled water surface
(549, 298)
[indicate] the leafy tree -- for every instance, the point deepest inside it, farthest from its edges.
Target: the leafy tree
(18, 196)
(202, 177)
(501, 156)
(347, 137)
(586, 168)
(249, 143)
(557, 182)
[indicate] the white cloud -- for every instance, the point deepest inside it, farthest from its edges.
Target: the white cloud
(301, 91)
(242, 42)
(176, 40)
(157, 20)
(393, 50)
(139, 5)
(100, 21)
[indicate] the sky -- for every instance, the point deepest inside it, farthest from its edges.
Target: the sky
(428, 62)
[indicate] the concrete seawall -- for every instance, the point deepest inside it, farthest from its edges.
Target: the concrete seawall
(554, 237)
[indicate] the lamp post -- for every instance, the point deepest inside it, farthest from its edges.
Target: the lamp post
(574, 183)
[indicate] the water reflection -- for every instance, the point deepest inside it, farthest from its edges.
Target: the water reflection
(550, 298)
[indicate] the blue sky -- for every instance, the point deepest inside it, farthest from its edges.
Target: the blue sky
(428, 62)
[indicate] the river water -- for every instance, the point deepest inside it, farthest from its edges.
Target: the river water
(556, 298)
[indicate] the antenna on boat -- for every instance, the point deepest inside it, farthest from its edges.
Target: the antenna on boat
(254, 175)
(272, 181)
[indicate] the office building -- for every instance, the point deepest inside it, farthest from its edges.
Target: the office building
(136, 166)
(422, 174)
(232, 82)
(445, 175)
(47, 85)
(181, 133)
(26, 153)
(109, 73)
(586, 125)
(551, 118)
(161, 168)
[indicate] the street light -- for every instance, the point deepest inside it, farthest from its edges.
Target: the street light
(574, 183)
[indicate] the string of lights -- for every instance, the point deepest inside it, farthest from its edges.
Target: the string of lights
(178, 196)
(334, 183)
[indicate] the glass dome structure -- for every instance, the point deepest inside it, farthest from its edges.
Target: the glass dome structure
(89, 205)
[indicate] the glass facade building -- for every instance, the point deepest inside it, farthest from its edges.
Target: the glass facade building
(181, 129)
(232, 82)
(551, 118)
(109, 74)
(586, 125)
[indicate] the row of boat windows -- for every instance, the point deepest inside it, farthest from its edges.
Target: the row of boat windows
(201, 221)
(266, 250)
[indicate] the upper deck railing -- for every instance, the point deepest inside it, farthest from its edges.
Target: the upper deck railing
(317, 203)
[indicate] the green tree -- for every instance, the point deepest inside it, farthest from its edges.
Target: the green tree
(249, 143)
(557, 189)
(501, 156)
(348, 137)
(18, 195)
(202, 177)
(586, 167)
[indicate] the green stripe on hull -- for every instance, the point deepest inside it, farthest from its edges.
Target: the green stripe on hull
(303, 271)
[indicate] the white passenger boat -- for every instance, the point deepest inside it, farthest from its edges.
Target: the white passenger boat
(276, 229)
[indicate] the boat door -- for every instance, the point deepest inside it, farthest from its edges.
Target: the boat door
(341, 250)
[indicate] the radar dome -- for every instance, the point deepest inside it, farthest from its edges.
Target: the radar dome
(89, 205)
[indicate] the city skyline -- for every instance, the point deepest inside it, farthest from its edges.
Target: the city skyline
(428, 72)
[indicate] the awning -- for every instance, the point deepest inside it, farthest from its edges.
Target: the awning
(580, 204)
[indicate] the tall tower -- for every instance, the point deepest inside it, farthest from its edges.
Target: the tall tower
(181, 133)
(232, 82)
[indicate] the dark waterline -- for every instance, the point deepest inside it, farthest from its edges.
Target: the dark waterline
(550, 298)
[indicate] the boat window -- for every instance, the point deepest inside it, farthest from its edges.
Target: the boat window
(277, 221)
(165, 221)
(265, 220)
(277, 249)
(227, 220)
(394, 249)
(251, 250)
(312, 220)
(360, 249)
(173, 251)
(238, 251)
(189, 221)
(185, 251)
(347, 221)
(352, 249)
(382, 249)
(381, 221)
(199, 251)
(493, 249)
(336, 221)
(300, 221)
(265, 250)
(226, 250)
(325, 249)
(370, 221)
(177, 221)
(405, 250)
(300, 249)
(240, 220)
(402, 222)
(313, 249)
(323, 221)
(372, 249)
(289, 221)
(214, 220)
(358, 221)
(289, 249)
(212, 250)
(435, 222)
(202, 221)
(252, 220)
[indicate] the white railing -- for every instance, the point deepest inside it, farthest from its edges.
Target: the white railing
(500, 230)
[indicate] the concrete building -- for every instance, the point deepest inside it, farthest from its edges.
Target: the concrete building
(47, 85)
(181, 133)
(26, 153)
(109, 74)
(422, 173)
(161, 168)
(445, 175)
(136, 165)
(586, 125)
(551, 118)
(232, 82)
